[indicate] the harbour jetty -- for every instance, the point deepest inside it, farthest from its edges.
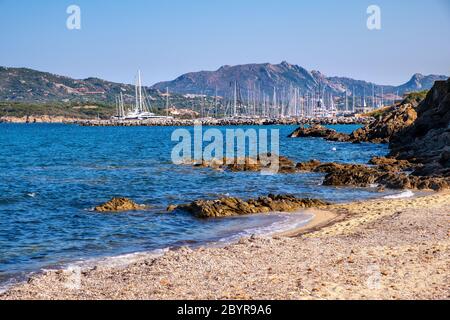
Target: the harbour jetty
(236, 121)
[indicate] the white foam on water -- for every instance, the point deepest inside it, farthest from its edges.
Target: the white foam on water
(121, 260)
(289, 221)
(405, 194)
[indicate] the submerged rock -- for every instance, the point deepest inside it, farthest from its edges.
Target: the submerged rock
(119, 205)
(226, 207)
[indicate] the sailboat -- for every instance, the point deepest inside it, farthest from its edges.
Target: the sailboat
(141, 110)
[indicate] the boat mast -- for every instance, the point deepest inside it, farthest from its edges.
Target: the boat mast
(354, 100)
(235, 99)
(167, 101)
(141, 102)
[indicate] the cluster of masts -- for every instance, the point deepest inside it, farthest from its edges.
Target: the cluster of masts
(291, 102)
(280, 103)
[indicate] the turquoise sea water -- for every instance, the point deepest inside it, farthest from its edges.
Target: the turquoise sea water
(52, 175)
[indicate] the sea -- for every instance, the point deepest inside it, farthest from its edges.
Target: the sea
(52, 175)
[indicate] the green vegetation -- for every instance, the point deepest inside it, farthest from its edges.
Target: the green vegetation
(23, 109)
(378, 113)
(416, 97)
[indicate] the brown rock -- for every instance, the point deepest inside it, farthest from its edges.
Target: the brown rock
(387, 173)
(261, 162)
(318, 131)
(171, 208)
(392, 164)
(119, 205)
(226, 207)
(427, 141)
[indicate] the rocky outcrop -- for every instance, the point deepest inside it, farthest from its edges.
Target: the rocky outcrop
(427, 141)
(119, 205)
(386, 124)
(389, 123)
(387, 173)
(226, 207)
(393, 165)
(365, 177)
(318, 131)
(418, 131)
(261, 162)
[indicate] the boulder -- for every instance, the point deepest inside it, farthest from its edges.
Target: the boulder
(318, 131)
(226, 207)
(119, 205)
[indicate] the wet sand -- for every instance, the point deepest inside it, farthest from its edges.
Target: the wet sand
(377, 249)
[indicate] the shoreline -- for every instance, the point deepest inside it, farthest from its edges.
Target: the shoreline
(338, 223)
(321, 219)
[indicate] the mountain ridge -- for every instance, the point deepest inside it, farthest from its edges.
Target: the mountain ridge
(29, 85)
(264, 77)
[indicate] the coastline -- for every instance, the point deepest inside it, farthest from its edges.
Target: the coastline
(389, 241)
(321, 219)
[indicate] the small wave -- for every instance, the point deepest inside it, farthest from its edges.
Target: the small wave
(290, 221)
(31, 195)
(120, 260)
(405, 194)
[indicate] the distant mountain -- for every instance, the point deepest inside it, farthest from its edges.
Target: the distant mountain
(21, 85)
(265, 77)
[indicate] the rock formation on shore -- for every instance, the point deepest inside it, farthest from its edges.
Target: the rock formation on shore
(119, 205)
(226, 207)
(387, 124)
(427, 140)
(387, 173)
(418, 131)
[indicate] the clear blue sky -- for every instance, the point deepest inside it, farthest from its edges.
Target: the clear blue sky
(167, 38)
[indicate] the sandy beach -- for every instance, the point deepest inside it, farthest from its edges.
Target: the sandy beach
(377, 249)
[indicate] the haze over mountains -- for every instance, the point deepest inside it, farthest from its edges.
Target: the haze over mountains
(27, 85)
(265, 77)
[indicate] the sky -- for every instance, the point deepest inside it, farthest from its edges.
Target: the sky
(167, 38)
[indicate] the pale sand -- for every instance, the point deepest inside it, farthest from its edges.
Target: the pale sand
(378, 249)
(321, 218)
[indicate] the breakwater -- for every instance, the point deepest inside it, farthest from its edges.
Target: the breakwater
(224, 121)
